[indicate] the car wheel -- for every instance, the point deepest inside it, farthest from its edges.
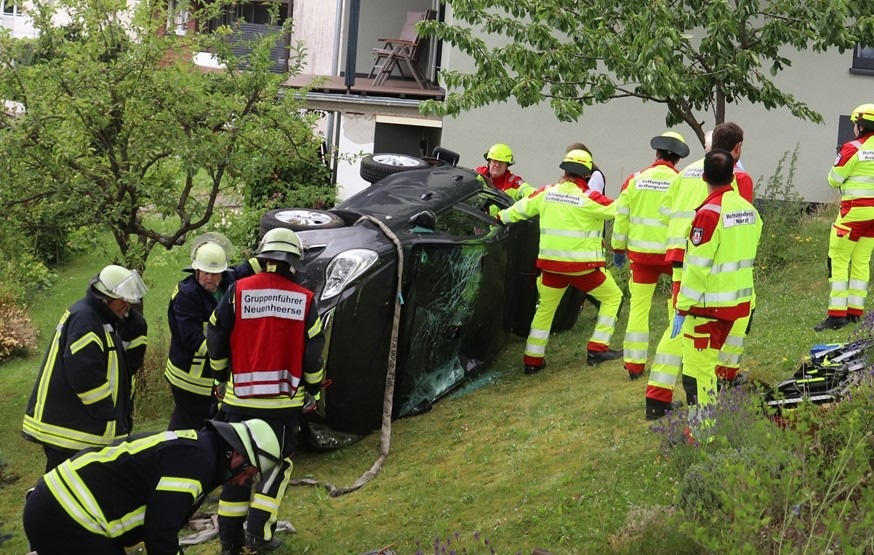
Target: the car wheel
(568, 311)
(375, 167)
(299, 219)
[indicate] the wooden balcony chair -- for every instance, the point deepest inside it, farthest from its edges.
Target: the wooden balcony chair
(400, 52)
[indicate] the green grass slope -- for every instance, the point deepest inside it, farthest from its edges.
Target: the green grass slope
(562, 460)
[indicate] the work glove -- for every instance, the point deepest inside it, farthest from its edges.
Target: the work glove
(219, 391)
(678, 325)
(619, 259)
(310, 402)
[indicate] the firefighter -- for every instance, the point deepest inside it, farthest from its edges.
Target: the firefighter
(716, 288)
(571, 254)
(640, 232)
(852, 235)
(269, 328)
(143, 489)
(83, 394)
(685, 194)
(188, 312)
(498, 160)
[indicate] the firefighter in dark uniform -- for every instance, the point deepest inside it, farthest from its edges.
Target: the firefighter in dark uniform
(191, 305)
(143, 489)
(83, 394)
(269, 327)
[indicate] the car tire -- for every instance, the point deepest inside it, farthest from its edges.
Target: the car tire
(299, 219)
(568, 311)
(375, 167)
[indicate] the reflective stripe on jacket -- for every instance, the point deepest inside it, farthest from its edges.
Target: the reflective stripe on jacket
(853, 171)
(270, 329)
(188, 313)
(141, 490)
(571, 225)
(638, 227)
(718, 269)
(83, 392)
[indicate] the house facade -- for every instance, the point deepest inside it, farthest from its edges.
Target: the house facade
(830, 83)
(363, 117)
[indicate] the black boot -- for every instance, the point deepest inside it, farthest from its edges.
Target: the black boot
(597, 357)
(231, 549)
(656, 409)
(831, 323)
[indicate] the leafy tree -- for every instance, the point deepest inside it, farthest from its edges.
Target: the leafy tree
(693, 56)
(122, 132)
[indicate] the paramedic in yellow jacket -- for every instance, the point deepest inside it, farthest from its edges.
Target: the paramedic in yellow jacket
(852, 235)
(571, 254)
(717, 284)
(685, 194)
(639, 232)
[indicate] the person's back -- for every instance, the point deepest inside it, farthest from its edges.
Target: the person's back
(640, 232)
(265, 342)
(143, 489)
(83, 394)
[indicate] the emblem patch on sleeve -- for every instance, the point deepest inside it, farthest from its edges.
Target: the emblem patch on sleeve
(697, 235)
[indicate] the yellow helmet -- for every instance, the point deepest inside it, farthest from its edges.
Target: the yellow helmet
(500, 153)
(577, 162)
(671, 142)
(863, 116)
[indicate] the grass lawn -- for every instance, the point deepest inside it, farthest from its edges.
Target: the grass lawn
(562, 460)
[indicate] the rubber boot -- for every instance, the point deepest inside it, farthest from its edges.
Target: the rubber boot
(231, 549)
(656, 409)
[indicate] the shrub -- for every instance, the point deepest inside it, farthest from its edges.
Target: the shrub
(804, 487)
(17, 333)
(782, 209)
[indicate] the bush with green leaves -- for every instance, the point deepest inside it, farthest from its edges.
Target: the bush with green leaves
(758, 487)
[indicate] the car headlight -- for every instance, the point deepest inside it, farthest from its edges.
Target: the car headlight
(344, 268)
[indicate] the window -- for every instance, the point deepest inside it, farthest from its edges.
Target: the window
(863, 60)
(178, 18)
(10, 8)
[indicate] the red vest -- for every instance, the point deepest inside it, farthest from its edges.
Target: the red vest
(267, 344)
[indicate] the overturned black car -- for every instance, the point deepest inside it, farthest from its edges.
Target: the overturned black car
(465, 282)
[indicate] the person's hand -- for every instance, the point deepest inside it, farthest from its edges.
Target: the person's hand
(678, 325)
(619, 259)
(310, 403)
(219, 391)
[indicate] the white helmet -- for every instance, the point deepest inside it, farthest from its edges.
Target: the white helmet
(117, 282)
(209, 257)
(254, 439)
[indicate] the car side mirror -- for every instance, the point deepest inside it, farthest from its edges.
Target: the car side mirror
(425, 218)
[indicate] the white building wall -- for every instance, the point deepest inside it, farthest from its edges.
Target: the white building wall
(618, 133)
(357, 134)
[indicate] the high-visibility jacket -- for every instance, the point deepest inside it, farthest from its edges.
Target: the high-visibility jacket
(853, 171)
(718, 269)
(187, 315)
(141, 490)
(685, 194)
(510, 183)
(638, 228)
(571, 225)
(83, 392)
(269, 327)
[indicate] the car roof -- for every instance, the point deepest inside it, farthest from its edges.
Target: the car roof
(399, 196)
